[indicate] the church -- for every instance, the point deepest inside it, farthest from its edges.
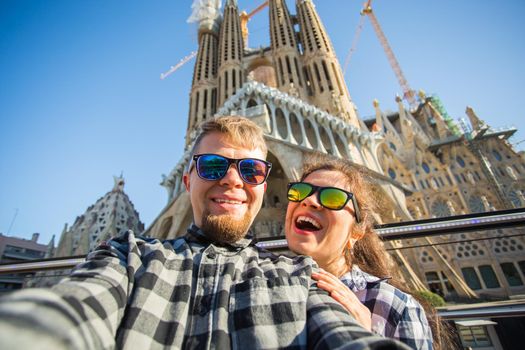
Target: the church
(424, 164)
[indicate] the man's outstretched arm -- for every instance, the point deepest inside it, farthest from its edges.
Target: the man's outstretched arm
(330, 326)
(81, 312)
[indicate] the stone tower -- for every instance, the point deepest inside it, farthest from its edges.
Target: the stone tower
(231, 73)
(422, 163)
(112, 214)
(285, 52)
(203, 94)
(322, 68)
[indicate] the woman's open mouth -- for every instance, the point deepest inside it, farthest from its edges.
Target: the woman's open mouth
(305, 223)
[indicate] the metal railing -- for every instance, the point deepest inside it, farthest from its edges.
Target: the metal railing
(404, 230)
(496, 309)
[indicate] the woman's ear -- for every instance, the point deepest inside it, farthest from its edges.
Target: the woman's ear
(357, 233)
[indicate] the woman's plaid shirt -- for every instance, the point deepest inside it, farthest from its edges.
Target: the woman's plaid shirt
(137, 293)
(395, 314)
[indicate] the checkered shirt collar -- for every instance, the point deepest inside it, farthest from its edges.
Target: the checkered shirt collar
(195, 234)
(356, 279)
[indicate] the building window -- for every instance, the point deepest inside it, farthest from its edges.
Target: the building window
(440, 209)
(425, 167)
(438, 283)
(392, 173)
(434, 283)
(496, 155)
(488, 276)
(460, 161)
(471, 277)
(476, 336)
(511, 274)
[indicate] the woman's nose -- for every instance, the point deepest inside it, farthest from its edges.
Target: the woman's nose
(311, 201)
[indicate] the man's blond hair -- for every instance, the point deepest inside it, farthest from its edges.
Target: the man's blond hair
(239, 131)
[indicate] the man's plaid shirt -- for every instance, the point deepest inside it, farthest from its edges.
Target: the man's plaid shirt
(139, 293)
(395, 314)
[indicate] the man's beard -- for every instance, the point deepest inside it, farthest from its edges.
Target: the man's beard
(224, 228)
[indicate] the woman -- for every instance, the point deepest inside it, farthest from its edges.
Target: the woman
(329, 218)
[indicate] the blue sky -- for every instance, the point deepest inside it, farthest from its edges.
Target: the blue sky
(81, 99)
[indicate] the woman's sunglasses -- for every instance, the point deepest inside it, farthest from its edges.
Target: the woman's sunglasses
(332, 198)
(214, 167)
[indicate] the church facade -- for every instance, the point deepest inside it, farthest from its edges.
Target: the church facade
(423, 163)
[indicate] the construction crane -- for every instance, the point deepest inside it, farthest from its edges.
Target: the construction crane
(178, 65)
(245, 17)
(357, 35)
(408, 93)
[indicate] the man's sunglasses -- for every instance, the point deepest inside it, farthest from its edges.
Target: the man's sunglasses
(332, 198)
(214, 167)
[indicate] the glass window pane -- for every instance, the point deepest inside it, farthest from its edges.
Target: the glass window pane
(432, 276)
(489, 277)
(466, 336)
(478, 331)
(471, 277)
(481, 336)
(511, 274)
(448, 286)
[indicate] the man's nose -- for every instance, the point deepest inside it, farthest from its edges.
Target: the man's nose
(232, 177)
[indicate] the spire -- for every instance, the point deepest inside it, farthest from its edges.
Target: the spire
(50, 248)
(203, 94)
(441, 127)
(111, 215)
(477, 124)
(322, 69)
(285, 50)
(119, 183)
(231, 50)
(407, 128)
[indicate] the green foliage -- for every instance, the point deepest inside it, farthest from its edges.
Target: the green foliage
(436, 102)
(432, 298)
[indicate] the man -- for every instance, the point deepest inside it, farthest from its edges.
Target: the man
(211, 288)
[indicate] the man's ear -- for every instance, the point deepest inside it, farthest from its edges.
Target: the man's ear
(186, 180)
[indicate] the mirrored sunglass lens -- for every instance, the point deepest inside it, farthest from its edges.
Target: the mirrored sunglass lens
(298, 192)
(253, 170)
(332, 198)
(212, 167)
